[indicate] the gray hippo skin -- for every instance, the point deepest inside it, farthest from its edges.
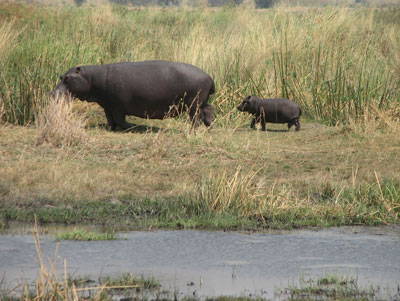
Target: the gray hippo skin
(274, 110)
(149, 89)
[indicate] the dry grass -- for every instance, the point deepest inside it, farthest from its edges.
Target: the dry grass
(7, 37)
(222, 165)
(58, 125)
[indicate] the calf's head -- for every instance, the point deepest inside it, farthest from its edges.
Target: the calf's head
(73, 83)
(246, 105)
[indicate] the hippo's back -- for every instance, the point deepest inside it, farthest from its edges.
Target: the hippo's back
(159, 75)
(149, 88)
(281, 110)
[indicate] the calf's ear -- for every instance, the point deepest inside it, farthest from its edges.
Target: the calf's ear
(77, 69)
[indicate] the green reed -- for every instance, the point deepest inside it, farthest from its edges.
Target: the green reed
(335, 62)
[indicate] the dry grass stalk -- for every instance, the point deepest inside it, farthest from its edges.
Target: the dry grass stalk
(58, 125)
(375, 120)
(223, 192)
(49, 287)
(7, 35)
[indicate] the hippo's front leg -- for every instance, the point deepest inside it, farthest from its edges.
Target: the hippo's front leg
(253, 123)
(116, 118)
(110, 119)
(119, 119)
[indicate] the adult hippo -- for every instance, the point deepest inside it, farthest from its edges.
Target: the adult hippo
(274, 110)
(149, 89)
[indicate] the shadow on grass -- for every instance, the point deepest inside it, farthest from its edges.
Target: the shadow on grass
(136, 128)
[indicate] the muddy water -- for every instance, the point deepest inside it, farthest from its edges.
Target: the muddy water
(219, 263)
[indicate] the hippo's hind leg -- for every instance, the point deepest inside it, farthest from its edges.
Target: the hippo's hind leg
(263, 119)
(207, 114)
(297, 123)
(263, 127)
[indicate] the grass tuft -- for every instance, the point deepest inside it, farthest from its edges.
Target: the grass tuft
(81, 234)
(58, 125)
(329, 287)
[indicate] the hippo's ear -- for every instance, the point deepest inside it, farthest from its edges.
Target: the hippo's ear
(77, 69)
(247, 99)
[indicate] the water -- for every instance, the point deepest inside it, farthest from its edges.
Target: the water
(219, 263)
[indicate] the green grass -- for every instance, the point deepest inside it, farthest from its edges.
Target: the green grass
(361, 206)
(328, 287)
(81, 234)
(129, 279)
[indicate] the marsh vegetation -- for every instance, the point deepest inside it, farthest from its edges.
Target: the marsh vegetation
(58, 161)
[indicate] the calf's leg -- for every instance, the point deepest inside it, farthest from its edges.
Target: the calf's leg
(253, 123)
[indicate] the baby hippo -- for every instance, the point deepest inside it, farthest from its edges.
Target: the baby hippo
(274, 110)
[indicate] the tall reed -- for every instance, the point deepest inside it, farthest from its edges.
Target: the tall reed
(336, 62)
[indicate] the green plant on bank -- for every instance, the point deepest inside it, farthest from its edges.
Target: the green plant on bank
(278, 209)
(81, 234)
(338, 64)
(332, 286)
(129, 279)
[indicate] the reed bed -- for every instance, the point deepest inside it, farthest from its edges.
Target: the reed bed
(336, 62)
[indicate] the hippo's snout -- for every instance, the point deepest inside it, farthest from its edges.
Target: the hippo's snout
(59, 90)
(53, 94)
(240, 107)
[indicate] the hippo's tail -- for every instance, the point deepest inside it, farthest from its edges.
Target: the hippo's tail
(299, 111)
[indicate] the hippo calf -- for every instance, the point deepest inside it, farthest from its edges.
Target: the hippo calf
(274, 110)
(149, 89)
